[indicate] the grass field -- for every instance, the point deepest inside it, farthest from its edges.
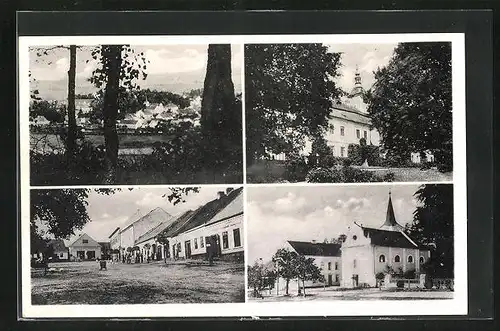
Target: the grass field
(153, 283)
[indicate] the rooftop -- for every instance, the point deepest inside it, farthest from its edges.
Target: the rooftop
(315, 249)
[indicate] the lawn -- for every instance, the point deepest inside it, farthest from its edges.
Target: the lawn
(331, 294)
(153, 283)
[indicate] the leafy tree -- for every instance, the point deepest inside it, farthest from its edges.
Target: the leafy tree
(306, 270)
(289, 90)
(342, 238)
(53, 111)
(410, 102)
(285, 262)
(433, 225)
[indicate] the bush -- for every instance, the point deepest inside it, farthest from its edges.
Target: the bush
(345, 175)
(400, 284)
(296, 168)
(389, 177)
(409, 274)
(323, 175)
(359, 153)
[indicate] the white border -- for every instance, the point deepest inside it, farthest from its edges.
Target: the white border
(456, 306)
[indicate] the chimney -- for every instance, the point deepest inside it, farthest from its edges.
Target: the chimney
(229, 190)
(221, 194)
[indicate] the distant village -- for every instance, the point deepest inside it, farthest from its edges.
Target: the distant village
(143, 121)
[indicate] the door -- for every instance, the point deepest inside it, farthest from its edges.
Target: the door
(80, 255)
(330, 280)
(187, 244)
(355, 279)
(90, 255)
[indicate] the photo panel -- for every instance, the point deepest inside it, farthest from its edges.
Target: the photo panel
(335, 112)
(386, 245)
(133, 246)
(133, 114)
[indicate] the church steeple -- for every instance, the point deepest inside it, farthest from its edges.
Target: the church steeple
(390, 223)
(357, 76)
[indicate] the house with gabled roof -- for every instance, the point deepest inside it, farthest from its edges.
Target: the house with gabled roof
(214, 229)
(368, 251)
(84, 247)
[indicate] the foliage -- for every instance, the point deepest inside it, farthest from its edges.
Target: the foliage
(62, 211)
(344, 175)
(321, 153)
(359, 153)
(296, 167)
(260, 278)
(306, 270)
(433, 225)
(289, 88)
(380, 276)
(178, 194)
(53, 111)
(410, 103)
(323, 175)
(286, 267)
(410, 274)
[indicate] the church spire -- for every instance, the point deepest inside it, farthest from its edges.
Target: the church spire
(390, 219)
(357, 76)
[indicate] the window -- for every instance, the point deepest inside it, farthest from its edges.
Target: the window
(421, 259)
(410, 259)
(225, 241)
(195, 243)
(322, 264)
(202, 244)
(336, 266)
(236, 236)
(85, 241)
(341, 130)
(358, 134)
(61, 255)
(333, 150)
(354, 237)
(342, 151)
(336, 278)
(397, 258)
(329, 266)
(365, 135)
(331, 129)
(381, 258)
(354, 263)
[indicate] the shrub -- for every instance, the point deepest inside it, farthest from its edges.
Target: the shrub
(400, 284)
(323, 175)
(296, 168)
(409, 274)
(389, 177)
(358, 153)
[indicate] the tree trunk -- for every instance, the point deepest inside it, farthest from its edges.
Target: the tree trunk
(304, 287)
(112, 57)
(71, 138)
(286, 290)
(218, 112)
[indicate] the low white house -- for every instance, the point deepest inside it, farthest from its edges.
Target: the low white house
(215, 228)
(84, 248)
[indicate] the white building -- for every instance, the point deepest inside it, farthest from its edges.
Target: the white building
(215, 228)
(369, 251)
(84, 248)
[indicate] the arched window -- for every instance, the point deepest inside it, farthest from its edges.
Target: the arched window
(354, 263)
(410, 259)
(397, 258)
(421, 259)
(381, 258)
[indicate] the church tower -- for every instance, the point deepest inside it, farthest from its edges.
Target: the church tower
(357, 93)
(390, 223)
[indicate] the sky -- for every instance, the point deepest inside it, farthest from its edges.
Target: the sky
(368, 57)
(107, 212)
(278, 214)
(176, 68)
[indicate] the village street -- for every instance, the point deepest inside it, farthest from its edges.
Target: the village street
(354, 294)
(153, 283)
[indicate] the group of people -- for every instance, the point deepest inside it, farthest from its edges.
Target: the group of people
(137, 258)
